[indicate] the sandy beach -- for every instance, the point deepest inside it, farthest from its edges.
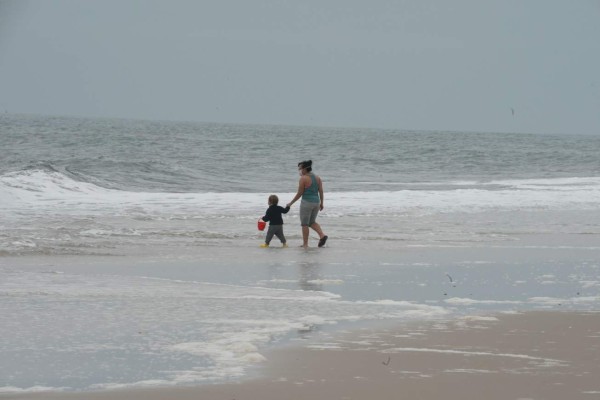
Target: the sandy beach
(531, 355)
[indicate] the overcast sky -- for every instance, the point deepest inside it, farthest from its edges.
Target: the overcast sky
(500, 66)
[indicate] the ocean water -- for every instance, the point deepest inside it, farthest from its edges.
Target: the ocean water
(129, 250)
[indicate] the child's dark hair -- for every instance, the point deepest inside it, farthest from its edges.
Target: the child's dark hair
(273, 199)
(307, 165)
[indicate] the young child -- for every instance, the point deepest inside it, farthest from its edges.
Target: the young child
(273, 217)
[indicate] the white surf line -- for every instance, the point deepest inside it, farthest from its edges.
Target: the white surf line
(470, 353)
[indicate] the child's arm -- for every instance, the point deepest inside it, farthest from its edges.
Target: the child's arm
(267, 217)
(285, 210)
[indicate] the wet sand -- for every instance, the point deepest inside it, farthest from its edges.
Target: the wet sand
(532, 355)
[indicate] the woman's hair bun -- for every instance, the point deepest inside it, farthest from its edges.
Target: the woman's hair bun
(306, 165)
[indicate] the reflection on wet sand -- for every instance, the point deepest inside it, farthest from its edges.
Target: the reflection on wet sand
(309, 274)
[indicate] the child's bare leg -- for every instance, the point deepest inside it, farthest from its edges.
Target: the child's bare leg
(317, 229)
(305, 235)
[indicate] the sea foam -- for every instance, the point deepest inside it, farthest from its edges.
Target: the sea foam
(44, 190)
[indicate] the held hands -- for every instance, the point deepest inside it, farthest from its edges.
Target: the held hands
(321, 206)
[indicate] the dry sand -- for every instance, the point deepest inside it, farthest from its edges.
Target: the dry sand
(533, 355)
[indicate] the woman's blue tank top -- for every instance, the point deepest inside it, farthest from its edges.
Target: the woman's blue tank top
(311, 193)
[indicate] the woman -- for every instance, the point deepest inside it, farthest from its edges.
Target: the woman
(310, 188)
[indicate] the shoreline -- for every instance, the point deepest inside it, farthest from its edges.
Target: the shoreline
(521, 355)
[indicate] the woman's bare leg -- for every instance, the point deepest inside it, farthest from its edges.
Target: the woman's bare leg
(317, 228)
(305, 235)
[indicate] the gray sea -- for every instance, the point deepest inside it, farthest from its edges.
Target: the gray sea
(129, 250)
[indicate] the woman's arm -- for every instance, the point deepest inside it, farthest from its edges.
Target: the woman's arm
(298, 194)
(321, 195)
